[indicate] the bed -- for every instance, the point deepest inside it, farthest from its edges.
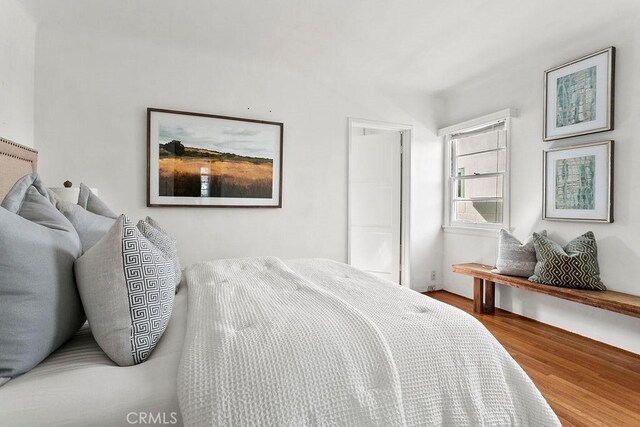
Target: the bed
(78, 385)
(261, 341)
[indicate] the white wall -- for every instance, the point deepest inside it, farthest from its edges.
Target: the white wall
(17, 51)
(92, 91)
(519, 84)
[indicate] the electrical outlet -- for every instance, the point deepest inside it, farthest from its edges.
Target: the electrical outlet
(433, 276)
(431, 288)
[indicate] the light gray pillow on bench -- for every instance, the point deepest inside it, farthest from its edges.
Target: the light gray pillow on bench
(126, 286)
(39, 304)
(514, 257)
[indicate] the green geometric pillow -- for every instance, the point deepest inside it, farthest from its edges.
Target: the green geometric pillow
(574, 266)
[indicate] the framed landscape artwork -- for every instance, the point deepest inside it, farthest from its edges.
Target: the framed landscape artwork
(578, 96)
(205, 160)
(578, 183)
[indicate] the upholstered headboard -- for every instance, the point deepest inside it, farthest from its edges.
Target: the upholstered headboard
(15, 161)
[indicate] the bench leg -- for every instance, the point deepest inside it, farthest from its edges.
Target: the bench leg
(483, 296)
(489, 297)
(478, 293)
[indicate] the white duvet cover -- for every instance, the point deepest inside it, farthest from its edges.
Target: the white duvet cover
(315, 342)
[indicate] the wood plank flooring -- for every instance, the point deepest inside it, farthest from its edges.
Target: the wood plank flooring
(586, 382)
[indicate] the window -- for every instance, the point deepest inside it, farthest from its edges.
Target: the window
(477, 186)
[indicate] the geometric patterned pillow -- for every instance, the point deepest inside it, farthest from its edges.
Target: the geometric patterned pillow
(161, 240)
(574, 266)
(127, 290)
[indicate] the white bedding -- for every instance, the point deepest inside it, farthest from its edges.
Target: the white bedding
(78, 385)
(320, 343)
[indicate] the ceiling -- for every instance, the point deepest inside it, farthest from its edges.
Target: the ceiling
(425, 45)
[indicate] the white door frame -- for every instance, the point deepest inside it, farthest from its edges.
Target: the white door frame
(405, 217)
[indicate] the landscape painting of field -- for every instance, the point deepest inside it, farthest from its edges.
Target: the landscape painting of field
(216, 159)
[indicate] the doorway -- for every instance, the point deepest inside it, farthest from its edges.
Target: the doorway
(378, 226)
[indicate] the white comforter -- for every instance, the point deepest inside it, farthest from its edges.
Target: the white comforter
(315, 342)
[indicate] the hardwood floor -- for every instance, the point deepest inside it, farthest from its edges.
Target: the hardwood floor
(586, 382)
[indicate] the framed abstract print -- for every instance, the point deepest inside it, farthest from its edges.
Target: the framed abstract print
(578, 96)
(578, 183)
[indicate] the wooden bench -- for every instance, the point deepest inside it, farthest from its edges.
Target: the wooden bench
(484, 291)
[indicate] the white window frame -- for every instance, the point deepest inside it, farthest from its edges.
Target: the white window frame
(469, 125)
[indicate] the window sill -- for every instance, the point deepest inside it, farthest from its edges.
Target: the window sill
(475, 231)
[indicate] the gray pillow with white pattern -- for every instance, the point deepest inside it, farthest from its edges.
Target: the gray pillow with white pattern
(514, 257)
(126, 287)
(163, 241)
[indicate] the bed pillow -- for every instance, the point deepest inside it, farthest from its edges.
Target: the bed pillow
(92, 203)
(163, 241)
(39, 304)
(574, 266)
(15, 198)
(514, 257)
(126, 286)
(90, 226)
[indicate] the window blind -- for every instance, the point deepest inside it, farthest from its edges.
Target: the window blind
(478, 167)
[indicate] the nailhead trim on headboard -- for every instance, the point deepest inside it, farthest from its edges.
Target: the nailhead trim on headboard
(17, 157)
(8, 141)
(16, 160)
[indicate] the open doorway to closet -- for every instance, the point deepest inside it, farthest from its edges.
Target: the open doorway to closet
(379, 189)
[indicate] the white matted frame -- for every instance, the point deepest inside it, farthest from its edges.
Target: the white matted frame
(563, 197)
(213, 160)
(585, 86)
(407, 137)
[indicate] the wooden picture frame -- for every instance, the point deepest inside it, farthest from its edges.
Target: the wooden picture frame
(207, 160)
(579, 96)
(578, 183)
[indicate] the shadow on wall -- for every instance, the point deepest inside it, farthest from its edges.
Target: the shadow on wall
(620, 259)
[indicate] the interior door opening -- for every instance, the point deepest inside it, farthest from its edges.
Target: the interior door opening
(377, 201)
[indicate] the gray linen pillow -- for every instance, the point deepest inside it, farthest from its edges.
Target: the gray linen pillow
(90, 226)
(126, 286)
(163, 241)
(514, 257)
(39, 304)
(15, 198)
(574, 266)
(93, 204)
